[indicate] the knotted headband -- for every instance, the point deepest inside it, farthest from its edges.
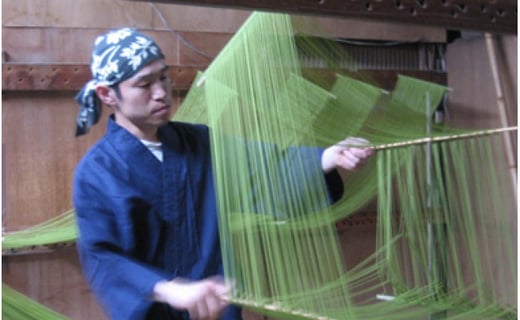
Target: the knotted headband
(117, 56)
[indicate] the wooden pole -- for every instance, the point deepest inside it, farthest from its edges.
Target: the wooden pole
(290, 313)
(426, 140)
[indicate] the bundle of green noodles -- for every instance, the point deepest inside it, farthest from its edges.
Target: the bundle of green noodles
(58, 230)
(444, 217)
(16, 306)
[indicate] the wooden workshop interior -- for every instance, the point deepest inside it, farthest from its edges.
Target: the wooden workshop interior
(469, 46)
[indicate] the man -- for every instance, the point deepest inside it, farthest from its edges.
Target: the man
(144, 198)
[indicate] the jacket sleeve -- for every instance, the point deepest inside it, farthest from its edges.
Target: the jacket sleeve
(290, 181)
(122, 285)
(307, 177)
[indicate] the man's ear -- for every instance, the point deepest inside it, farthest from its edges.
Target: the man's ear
(107, 95)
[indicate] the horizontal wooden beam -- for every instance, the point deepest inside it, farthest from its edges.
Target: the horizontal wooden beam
(68, 77)
(497, 16)
(37, 249)
(368, 218)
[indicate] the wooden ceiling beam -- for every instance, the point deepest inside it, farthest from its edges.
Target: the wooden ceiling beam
(494, 16)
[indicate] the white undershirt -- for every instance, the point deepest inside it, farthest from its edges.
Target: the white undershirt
(155, 148)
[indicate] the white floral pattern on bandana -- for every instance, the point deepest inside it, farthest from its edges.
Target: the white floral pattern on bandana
(116, 56)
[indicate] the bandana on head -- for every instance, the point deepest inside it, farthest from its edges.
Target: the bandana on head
(117, 56)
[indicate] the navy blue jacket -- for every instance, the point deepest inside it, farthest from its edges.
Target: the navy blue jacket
(141, 221)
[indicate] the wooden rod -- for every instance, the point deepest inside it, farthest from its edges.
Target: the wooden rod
(420, 141)
(439, 139)
(294, 314)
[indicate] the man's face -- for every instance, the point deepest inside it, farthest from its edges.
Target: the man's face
(145, 102)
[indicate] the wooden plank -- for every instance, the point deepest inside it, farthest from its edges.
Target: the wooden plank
(48, 45)
(473, 100)
(55, 280)
(368, 29)
(62, 77)
(84, 15)
(493, 16)
(40, 153)
(44, 77)
(74, 14)
(358, 219)
(74, 46)
(107, 14)
(36, 250)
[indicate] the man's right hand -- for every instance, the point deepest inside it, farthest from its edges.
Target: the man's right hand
(204, 299)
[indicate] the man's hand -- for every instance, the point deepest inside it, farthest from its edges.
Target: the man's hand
(349, 154)
(203, 299)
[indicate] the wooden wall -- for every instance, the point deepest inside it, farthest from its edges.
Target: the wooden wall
(474, 103)
(473, 100)
(39, 150)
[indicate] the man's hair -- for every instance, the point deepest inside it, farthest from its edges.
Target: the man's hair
(117, 90)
